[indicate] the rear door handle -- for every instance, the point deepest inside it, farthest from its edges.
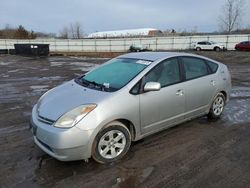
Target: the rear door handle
(179, 92)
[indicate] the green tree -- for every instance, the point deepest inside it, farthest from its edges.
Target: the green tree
(21, 33)
(33, 35)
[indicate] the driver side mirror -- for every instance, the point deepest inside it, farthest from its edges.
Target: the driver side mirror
(152, 86)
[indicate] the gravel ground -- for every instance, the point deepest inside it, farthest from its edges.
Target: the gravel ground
(199, 153)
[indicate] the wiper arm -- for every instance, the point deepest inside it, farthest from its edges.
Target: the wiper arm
(82, 81)
(95, 85)
(101, 86)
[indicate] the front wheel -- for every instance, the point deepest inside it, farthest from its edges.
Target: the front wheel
(111, 143)
(217, 107)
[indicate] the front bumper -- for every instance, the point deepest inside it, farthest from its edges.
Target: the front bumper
(62, 144)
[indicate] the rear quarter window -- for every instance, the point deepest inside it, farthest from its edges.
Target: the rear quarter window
(213, 66)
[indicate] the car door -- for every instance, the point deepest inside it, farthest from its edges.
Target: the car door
(247, 45)
(160, 109)
(208, 46)
(200, 86)
(202, 45)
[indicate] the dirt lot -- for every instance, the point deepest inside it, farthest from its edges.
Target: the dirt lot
(198, 153)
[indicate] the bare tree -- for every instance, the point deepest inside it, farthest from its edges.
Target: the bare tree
(231, 15)
(7, 32)
(64, 33)
(78, 30)
(74, 30)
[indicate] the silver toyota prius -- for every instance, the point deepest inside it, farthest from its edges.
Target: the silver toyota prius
(99, 114)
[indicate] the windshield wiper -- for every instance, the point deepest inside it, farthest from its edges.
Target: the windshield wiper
(96, 84)
(81, 81)
(93, 84)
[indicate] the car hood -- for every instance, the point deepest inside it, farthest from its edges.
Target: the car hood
(66, 97)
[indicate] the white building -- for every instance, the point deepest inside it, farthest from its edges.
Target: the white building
(126, 33)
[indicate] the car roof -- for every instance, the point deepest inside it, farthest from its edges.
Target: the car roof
(206, 41)
(153, 56)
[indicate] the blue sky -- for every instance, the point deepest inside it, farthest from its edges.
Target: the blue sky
(103, 15)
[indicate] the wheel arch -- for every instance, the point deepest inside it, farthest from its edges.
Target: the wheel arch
(225, 94)
(129, 125)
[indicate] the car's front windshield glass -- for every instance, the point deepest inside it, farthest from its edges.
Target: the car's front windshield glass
(115, 74)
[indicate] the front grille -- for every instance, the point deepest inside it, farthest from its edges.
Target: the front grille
(45, 120)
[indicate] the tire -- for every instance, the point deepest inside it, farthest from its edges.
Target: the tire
(217, 49)
(217, 107)
(111, 143)
(198, 49)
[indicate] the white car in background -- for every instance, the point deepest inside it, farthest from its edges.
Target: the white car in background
(208, 45)
(139, 48)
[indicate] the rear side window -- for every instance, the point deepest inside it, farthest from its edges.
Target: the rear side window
(212, 66)
(194, 67)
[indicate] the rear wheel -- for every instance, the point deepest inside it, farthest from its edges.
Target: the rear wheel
(217, 107)
(217, 49)
(198, 49)
(111, 143)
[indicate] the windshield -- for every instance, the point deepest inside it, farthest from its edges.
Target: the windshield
(115, 74)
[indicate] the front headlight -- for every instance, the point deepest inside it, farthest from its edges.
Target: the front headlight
(72, 117)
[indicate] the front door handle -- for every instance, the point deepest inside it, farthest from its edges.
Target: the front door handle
(180, 92)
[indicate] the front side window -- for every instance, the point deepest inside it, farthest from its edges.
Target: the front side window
(245, 42)
(115, 74)
(166, 73)
(194, 67)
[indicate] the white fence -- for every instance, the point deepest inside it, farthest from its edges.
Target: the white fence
(123, 44)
